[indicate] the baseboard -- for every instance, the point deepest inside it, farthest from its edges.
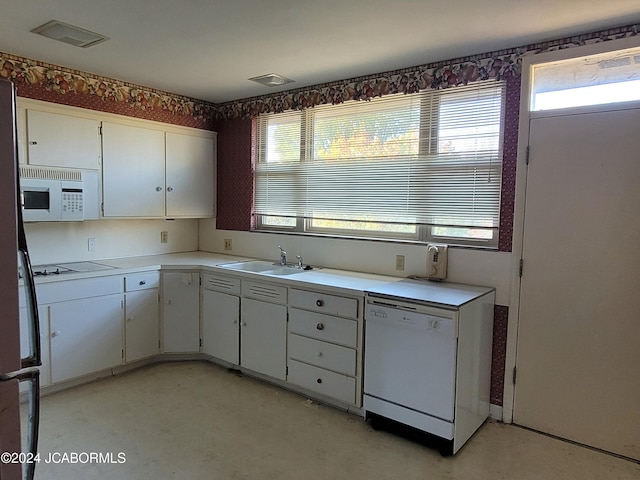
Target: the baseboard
(495, 412)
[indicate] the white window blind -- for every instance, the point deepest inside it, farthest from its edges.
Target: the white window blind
(386, 168)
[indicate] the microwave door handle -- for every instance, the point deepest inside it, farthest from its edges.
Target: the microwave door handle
(34, 359)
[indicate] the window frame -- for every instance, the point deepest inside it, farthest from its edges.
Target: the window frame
(427, 145)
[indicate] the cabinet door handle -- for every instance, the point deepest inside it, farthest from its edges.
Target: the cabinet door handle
(169, 189)
(56, 333)
(158, 189)
(129, 319)
(33, 143)
(142, 282)
(319, 303)
(168, 302)
(320, 326)
(319, 380)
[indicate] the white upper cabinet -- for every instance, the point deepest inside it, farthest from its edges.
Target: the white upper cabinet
(58, 140)
(132, 171)
(190, 175)
(153, 173)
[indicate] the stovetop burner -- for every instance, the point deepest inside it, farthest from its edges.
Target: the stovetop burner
(45, 270)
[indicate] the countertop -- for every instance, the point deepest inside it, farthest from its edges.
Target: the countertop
(354, 282)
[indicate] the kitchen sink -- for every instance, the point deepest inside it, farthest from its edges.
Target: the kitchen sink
(263, 266)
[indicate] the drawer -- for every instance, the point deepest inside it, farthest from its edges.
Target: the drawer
(323, 327)
(324, 303)
(322, 381)
(321, 354)
(220, 283)
(63, 291)
(264, 291)
(141, 281)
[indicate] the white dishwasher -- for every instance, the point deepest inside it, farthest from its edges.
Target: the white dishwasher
(412, 354)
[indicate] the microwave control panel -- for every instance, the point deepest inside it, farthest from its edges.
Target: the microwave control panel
(72, 204)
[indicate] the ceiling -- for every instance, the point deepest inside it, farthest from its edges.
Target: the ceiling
(207, 49)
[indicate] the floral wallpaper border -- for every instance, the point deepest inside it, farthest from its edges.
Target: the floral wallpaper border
(43, 81)
(495, 65)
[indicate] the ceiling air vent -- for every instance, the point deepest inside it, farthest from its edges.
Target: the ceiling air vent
(271, 80)
(70, 34)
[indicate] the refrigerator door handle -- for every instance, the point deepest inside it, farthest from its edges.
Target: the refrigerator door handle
(32, 376)
(34, 359)
(34, 420)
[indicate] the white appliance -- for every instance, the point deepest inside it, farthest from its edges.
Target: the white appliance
(19, 376)
(428, 358)
(50, 194)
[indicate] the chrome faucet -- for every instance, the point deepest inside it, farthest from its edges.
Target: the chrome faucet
(299, 258)
(283, 256)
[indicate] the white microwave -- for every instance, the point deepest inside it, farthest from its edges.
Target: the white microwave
(51, 195)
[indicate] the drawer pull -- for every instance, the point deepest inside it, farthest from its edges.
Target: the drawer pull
(319, 380)
(319, 354)
(319, 303)
(320, 326)
(142, 282)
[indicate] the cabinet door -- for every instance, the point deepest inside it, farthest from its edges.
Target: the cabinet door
(141, 324)
(181, 312)
(220, 326)
(263, 338)
(86, 336)
(190, 176)
(132, 171)
(62, 141)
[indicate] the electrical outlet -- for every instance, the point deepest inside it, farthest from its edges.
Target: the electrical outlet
(227, 244)
(164, 237)
(399, 262)
(91, 244)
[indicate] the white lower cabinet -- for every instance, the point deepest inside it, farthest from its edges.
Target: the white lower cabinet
(141, 328)
(323, 349)
(181, 312)
(86, 336)
(263, 338)
(251, 331)
(221, 326)
(310, 339)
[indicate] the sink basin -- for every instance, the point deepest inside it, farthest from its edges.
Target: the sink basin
(263, 266)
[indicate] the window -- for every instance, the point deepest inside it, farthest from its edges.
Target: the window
(610, 77)
(425, 166)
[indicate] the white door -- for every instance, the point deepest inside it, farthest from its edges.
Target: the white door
(221, 326)
(578, 353)
(181, 312)
(62, 140)
(190, 176)
(86, 336)
(132, 171)
(263, 338)
(141, 324)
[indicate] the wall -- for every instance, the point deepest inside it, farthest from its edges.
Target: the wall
(67, 241)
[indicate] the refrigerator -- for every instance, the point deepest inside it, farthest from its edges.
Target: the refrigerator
(19, 331)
